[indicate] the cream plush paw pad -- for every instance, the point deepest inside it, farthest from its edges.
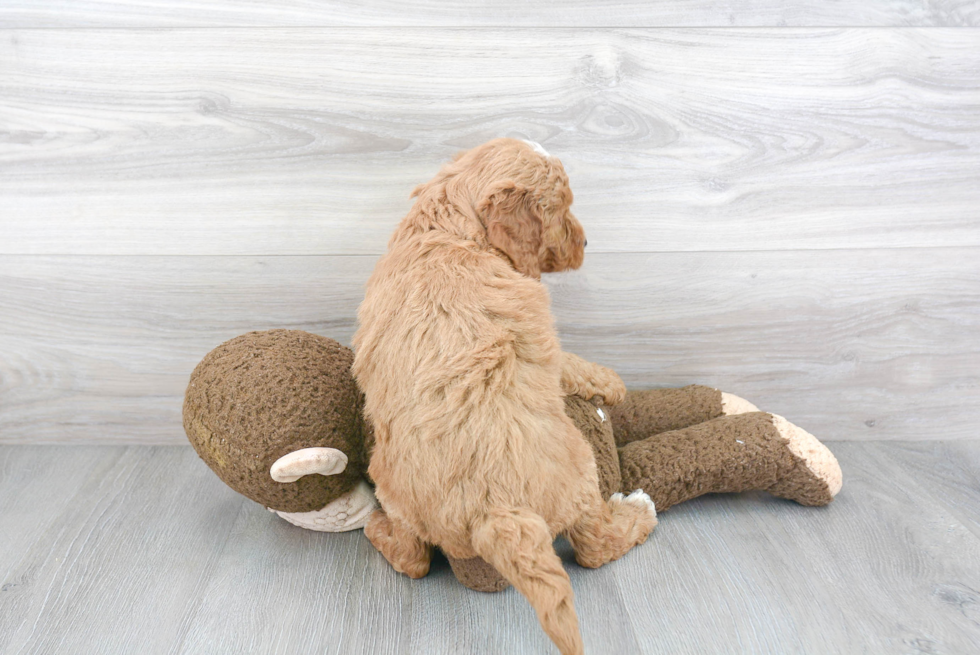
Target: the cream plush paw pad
(349, 512)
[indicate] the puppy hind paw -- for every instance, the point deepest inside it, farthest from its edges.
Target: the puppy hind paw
(641, 499)
(606, 536)
(636, 511)
(405, 553)
(413, 568)
(637, 499)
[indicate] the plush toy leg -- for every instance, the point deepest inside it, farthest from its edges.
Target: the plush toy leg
(732, 454)
(646, 413)
(404, 551)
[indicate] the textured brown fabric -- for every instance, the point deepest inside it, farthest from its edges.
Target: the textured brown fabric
(599, 434)
(477, 575)
(367, 432)
(652, 411)
(263, 395)
(727, 454)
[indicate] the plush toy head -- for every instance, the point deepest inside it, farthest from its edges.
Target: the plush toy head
(264, 395)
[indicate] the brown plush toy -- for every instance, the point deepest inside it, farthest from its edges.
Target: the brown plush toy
(277, 415)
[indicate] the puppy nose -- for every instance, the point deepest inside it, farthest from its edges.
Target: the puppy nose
(586, 243)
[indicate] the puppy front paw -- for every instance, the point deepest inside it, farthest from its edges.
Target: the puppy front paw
(587, 380)
(607, 383)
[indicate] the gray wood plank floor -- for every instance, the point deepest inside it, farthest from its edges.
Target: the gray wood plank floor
(118, 549)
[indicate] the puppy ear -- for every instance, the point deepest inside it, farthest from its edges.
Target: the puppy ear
(510, 215)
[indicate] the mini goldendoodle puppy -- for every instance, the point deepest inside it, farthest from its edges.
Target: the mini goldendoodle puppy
(464, 378)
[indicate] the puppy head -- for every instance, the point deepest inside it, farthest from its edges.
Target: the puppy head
(523, 200)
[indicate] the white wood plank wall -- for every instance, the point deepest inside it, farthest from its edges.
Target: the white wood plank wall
(488, 13)
(782, 198)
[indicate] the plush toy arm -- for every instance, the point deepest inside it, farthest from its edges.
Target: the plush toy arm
(584, 379)
(652, 411)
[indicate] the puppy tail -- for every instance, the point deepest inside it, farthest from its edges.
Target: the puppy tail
(519, 545)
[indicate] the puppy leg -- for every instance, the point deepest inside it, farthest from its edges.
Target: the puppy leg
(406, 552)
(585, 379)
(606, 531)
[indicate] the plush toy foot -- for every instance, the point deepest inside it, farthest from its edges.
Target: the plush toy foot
(732, 454)
(349, 512)
(404, 551)
(819, 479)
(477, 575)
